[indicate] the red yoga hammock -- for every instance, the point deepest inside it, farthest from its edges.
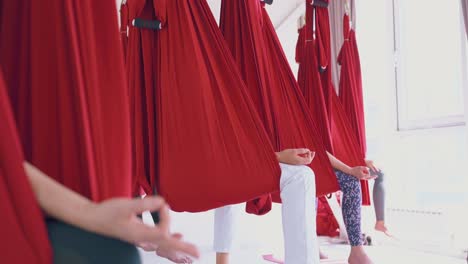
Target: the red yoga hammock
(64, 69)
(253, 42)
(316, 81)
(124, 26)
(23, 233)
(200, 142)
(351, 83)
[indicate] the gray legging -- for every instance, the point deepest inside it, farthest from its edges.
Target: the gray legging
(72, 245)
(379, 197)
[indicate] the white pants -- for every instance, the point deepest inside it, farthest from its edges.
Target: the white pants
(298, 212)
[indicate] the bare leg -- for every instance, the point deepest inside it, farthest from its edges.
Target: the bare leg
(173, 256)
(222, 258)
(358, 256)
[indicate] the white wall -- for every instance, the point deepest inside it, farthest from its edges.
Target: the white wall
(465, 219)
(425, 168)
(287, 33)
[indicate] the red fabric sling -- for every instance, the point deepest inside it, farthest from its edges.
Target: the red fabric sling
(205, 144)
(309, 76)
(124, 27)
(251, 37)
(23, 235)
(351, 95)
(64, 70)
(142, 75)
(318, 54)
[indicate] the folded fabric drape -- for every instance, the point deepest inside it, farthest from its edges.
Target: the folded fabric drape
(257, 50)
(316, 83)
(196, 134)
(351, 95)
(23, 233)
(124, 27)
(63, 66)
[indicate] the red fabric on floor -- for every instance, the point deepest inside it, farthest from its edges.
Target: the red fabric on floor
(326, 221)
(23, 233)
(63, 66)
(205, 144)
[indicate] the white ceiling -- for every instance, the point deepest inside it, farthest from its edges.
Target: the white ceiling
(279, 11)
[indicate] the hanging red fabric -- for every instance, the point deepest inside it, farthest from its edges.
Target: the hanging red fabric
(308, 78)
(344, 143)
(251, 37)
(300, 53)
(124, 27)
(310, 82)
(209, 148)
(300, 45)
(351, 95)
(64, 69)
(142, 76)
(24, 236)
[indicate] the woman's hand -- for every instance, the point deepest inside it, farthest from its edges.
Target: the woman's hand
(371, 165)
(362, 173)
(118, 218)
(301, 156)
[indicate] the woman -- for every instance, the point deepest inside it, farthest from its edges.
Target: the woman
(79, 230)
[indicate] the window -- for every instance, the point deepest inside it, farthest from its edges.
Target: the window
(430, 63)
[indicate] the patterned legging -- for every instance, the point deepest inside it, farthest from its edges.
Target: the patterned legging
(351, 206)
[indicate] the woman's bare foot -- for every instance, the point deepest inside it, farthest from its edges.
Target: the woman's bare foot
(173, 256)
(165, 253)
(381, 227)
(169, 253)
(359, 256)
(322, 254)
(222, 258)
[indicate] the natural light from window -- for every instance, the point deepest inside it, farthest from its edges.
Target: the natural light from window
(431, 63)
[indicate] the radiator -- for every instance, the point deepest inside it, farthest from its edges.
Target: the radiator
(430, 226)
(426, 230)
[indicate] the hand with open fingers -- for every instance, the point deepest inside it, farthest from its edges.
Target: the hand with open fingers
(362, 173)
(118, 218)
(371, 165)
(301, 156)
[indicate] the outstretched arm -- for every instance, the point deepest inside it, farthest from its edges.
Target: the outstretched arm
(359, 172)
(115, 218)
